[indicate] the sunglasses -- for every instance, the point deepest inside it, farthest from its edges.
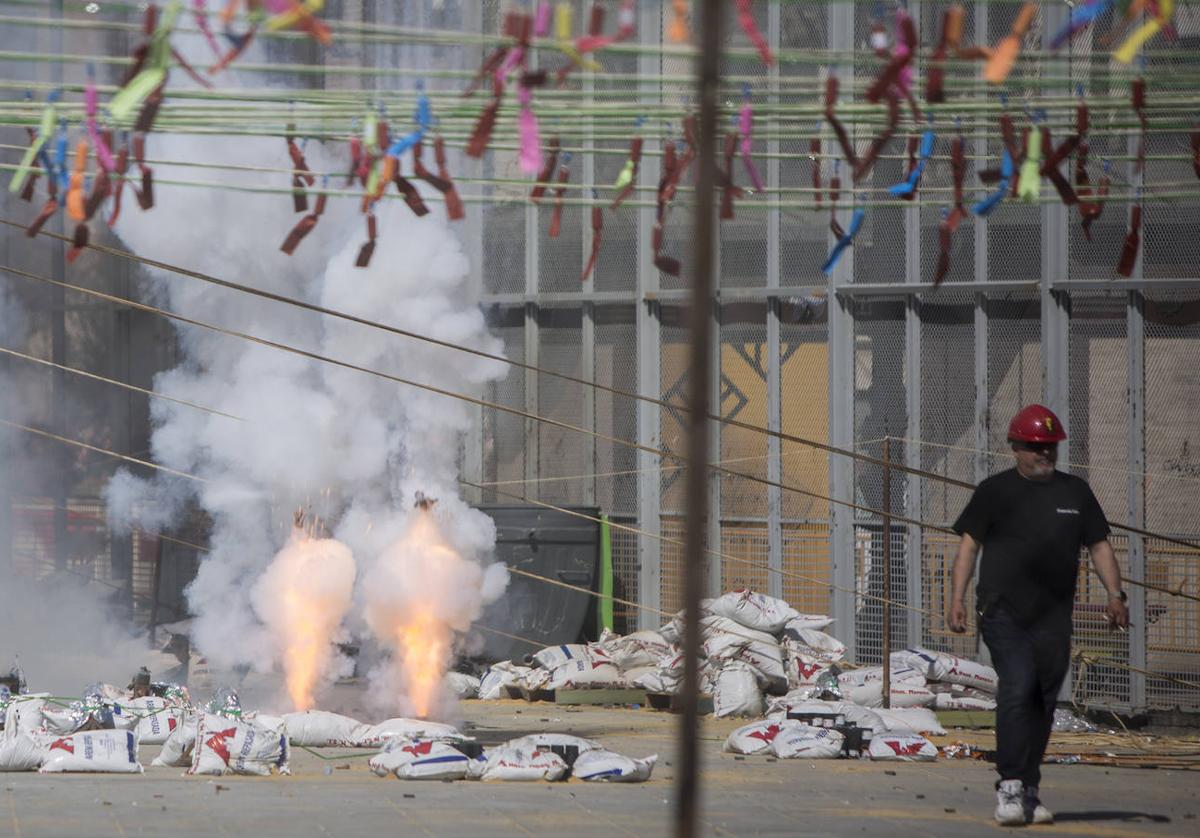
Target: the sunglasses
(1037, 447)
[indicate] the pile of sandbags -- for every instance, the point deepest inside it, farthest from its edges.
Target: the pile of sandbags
(537, 757)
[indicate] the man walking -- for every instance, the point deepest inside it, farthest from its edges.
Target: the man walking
(1031, 522)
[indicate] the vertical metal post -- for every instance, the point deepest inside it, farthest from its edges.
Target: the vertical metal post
(649, 349)
(980, 149)
(774, 459)
(712, 561)
(472, 233)
(774, 274)
(587, 363)
(155, 587)
(841, 401)
(708, 71)
(58, 349)
(887, 572)
(532, 357)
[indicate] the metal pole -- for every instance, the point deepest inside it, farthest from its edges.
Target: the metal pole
(708, 80)
(887, 572)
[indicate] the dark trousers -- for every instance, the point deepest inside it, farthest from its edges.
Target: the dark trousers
(1031, 663)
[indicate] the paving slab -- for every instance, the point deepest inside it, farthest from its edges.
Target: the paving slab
(331, 792)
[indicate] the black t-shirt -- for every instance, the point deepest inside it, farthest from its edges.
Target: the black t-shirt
(1031, 534)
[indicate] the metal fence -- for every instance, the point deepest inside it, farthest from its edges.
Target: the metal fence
(1029, 312)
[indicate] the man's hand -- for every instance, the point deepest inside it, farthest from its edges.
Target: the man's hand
(1117, 613)
(956, 618)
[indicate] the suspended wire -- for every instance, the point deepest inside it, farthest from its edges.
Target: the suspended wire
(152, 393)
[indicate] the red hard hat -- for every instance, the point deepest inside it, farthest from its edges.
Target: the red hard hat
(1036, 423)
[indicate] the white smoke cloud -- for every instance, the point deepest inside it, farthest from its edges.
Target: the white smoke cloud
(353, 448)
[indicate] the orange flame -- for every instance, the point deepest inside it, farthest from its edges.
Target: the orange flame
(421, 634)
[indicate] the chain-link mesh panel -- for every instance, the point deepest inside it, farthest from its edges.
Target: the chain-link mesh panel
(806, 565)
(804, 407)
(869, 591)
(674, 377)
(747, 552)
(673, 528)
(561, 452)
(880, 400)
(1014, 369)
(1172, 625)
(504, 433)
(1098, 424)
(947, 406)
(937, 561)
(743, 398)
(625, 575)
(1094, 642)
(616, 416)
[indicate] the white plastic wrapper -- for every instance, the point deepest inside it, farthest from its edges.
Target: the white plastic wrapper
(376, 736)
(816, 622)
(820, 644)
(911, 719)
(545, 741)
(94, 751)
(640, 649)
(518, 764)
(177, 749)
(940, 666)
(752, 610)
(235, 746)
(893, 747)
(461, 685)
(554, 656)
(420, 760)
(606, 766)
(735, 691)
(20, 752)
(756, 737)
(958, 697)
(806, 742)
(874, 674)
(500, 676)
(902, 695)
(322, 729)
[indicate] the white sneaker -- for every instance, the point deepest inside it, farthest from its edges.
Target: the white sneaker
(1036, 812)
(1010, 803)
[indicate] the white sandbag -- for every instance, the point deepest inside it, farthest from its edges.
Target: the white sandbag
(640, 649)
(235, 746)
(778, 706)
(554, 656)
(25, 714)
(752, 610)
(322, 729)
(177, 749)
(535, 679)
(94, 751)
(911, 719)
(655, 681)
(851, 713)
(461, 685)
(802, 669)
(902, 695)
(941, 666)
(766, 658)
(820, 644)
(756, 737)
(629, 677)
(545, 741)
(606, 766)
(420, 760)
(893, 747)
(816, 622)
(59, 721)
(156, 719)
(375, 736)
(958, 701)
(520, 764)
(21, 752)
(501, 675)
(874, 674)
(584, 673)
(735, 691)
(124, 717)
(807, 742)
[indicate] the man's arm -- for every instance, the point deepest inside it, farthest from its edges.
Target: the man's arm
(960, 577)
(1110, 575)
